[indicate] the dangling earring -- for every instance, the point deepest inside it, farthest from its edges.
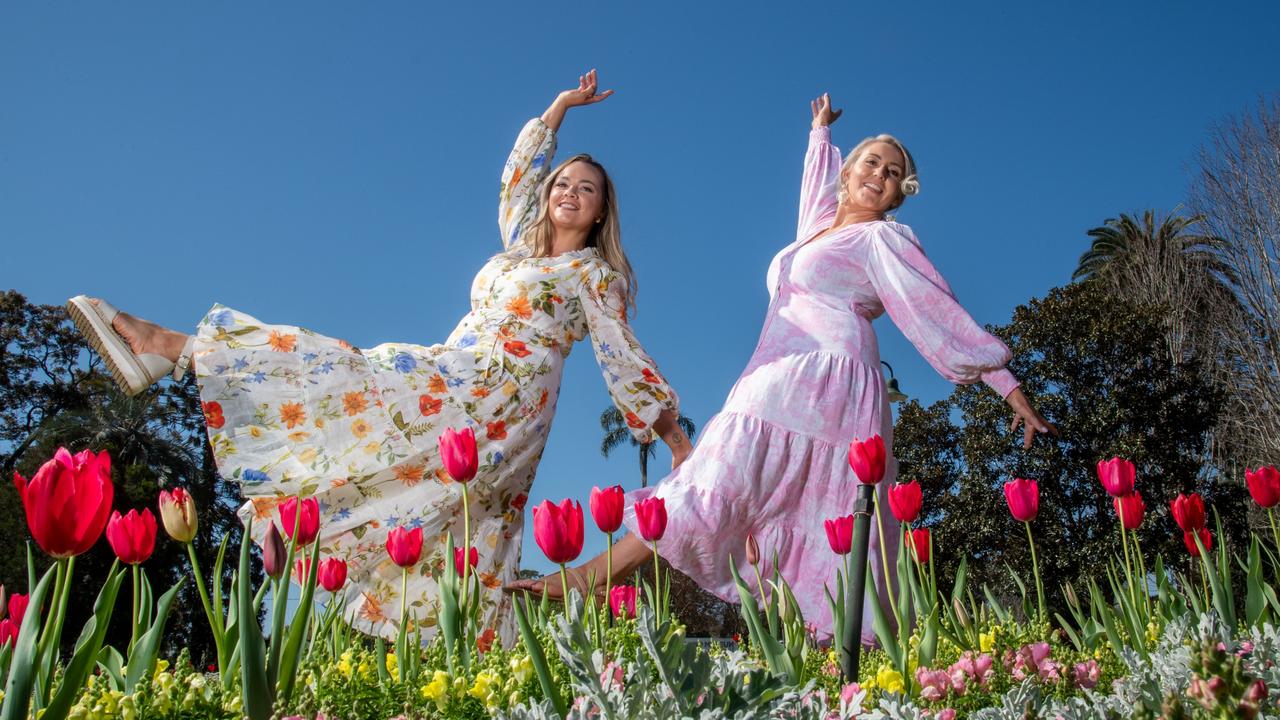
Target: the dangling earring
(599, 219)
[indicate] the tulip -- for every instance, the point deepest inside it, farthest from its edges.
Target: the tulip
(840, 534)
(918, 541)
(301, 568)
(458, 453)
(178, 514)
(8, 632)
(622, 601)
(905, 501)
(651, 516)
(18, 607)
(1189, 539)
(1130, 509)
(1116, 476)
(1023, 497)
(457, 560)
(1264, 485)
(274, 554)
(558, 530)
(132, 536)
(753, 550)
(68, 501)
(866, 457)
(606, 508)
(405, 546)
(308, 523)
(1188, 512)
(333, 574)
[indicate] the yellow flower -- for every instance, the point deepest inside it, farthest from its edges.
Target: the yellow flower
(372, 448)
(255, 431)
(361, 427)
(437, 690)
(299, 436)
(509, 389)
(522, 668)
(306, 457)
(889, 679)
(987, 641)
(393, 666)
(344, 664)
(483, 688)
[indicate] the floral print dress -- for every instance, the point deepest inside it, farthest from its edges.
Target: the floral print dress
(291, 412)
(774, 462)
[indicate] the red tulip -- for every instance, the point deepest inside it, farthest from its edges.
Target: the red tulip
(68, 501)
(1188, 512)
(8, 632)
(1023, 497)
(274, 554)
(1189, 539)
(18, 607)
(1264, 485)
(918, 542)
(1130, 510)
(458, 453)
(753, 550)
(558, 529)
(622, 601)
(457, 559)
(866, 457)
(178, 514)
(301, 567)
(1116, 476)
(405, 546)
(905, 500)
(332, 574)
(132, 536)
(651, 515)
(606, 508)
(308, 523)
(840, 534)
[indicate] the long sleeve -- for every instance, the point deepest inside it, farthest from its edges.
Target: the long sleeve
(528, 164)
(922, 305)
(635, 385)
(818, 187)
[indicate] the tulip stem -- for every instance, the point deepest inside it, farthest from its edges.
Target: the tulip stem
(1142, 568)
(133, 624)
(1271, 515)
(1035, 568)
(608, 577)
(564, 586)
(657, 583)
(760, 583)
(215, 617)
(884, 561)
(1128, 567)
(401, 664)
(466, 546)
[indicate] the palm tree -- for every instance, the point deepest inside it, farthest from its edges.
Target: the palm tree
(1122, 242)
(616, 433)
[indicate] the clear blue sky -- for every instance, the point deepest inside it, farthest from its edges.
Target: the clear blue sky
(335, 165)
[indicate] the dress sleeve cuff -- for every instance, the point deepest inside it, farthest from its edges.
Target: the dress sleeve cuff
(822, 133)
(1001, 380)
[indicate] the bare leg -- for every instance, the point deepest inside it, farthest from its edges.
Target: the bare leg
(629, 553)
(147, 337)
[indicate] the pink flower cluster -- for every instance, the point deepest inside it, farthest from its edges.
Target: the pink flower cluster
(969, 670)
(1033, 661)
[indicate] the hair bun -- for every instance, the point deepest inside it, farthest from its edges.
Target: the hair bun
(911, 185)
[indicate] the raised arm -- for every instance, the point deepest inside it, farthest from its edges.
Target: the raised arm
(530, 160)
(819, 186)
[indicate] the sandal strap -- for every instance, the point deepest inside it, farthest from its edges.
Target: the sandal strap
(184, 359)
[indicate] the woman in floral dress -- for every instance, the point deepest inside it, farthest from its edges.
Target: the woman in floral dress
(291, 412)
(773, 462)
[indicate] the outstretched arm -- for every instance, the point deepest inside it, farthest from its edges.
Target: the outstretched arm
(821, 171)
(584, 94)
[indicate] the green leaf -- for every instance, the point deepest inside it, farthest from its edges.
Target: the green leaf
(538, 657)
(87, 647)
(255, 691)
(23, 667)
(298, 629)
(143, 657)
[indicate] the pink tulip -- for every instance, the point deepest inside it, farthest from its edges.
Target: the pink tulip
(68, 501)
(1264, 485)
(558, 530)
(622, 601)
(1117, 476)
(405, 546)
(918, 541)
(274, 554)
(1023, 497)
(308, 524)
(753, 550)
(458, 453)
(457, 559)
(1188, 512)
(905, 500)
(1189, 539)
(178, 514)
(333, 574)
(606, 508)
(18, 607)
(866, 457)
(301, 567)
(651, 516)
(8, 632)
(132, 536)
(840, 534)
(1130, 510)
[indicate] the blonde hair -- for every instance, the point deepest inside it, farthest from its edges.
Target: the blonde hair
(605, 236)
(910, 184)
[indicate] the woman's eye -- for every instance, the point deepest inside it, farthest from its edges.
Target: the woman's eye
(895, 173)
(587, 190)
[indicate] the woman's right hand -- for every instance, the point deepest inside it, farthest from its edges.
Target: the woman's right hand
(823, 114)
(584, 94)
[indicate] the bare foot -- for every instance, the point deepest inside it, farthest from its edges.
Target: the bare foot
(147, 337)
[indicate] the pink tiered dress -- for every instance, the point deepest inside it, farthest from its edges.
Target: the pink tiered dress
(774, 462)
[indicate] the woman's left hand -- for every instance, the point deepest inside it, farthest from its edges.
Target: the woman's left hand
(1032, 421)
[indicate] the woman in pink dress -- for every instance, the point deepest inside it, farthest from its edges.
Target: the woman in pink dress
(773, 462)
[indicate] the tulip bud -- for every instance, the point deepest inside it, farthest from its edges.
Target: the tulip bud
(274, 553)
(178, 514)
(1189, 539)
(1130, 509)
(1116, 476)
(622, 601)
(1256, 692)
(332, 574)
(962, 615)
(405, 546)
(905, 500)
(1023, 497)
(132, 536)
(458, 453)
(18, 607)
(606, 508)
(474, 559)
(558, 529)
(303, 514)
(651, 516)
(1188, 512)
(753, 550)
(867, 459)
(1264, 485)
(840, 534)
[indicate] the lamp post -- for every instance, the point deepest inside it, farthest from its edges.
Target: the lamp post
(863, 507)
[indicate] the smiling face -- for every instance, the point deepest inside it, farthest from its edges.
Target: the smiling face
(576, 201)
(873, 181)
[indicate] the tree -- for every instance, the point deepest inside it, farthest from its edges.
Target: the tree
(616, 432)
(1097, 369)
